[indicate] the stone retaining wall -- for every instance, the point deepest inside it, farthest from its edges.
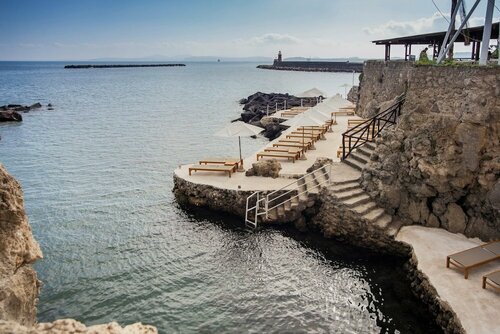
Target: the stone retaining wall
(440, 166)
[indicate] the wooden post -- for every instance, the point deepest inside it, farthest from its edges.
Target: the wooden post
(478, 48)
(387, 52)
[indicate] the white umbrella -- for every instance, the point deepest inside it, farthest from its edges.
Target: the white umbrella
(239, 129)
(345, 88)
(313, 92)
(338, 101)
(319, 115)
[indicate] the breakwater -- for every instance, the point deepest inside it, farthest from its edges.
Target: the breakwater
(315, 66)
(121, 65)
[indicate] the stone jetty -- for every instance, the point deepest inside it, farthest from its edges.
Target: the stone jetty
(120, 65)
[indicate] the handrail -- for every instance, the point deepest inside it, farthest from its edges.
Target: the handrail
(327, 180)
(371, 126)
(324, 171)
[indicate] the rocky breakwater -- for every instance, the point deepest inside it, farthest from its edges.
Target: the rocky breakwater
(257, 106)
(440, 166)
(19, 285)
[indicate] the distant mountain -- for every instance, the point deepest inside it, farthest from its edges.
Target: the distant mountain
(185, 58)
(349, 59)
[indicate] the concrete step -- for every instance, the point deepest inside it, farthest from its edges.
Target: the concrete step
(281, 211)
(350, 193)
(369, 146)
(364, 208)
(357, 200)
(358, 157)
(350, 185)
(383, 221)
(321, 177)
(365, 151)
(354, 163)
(339, 183)
(273, 214)
(375, 214)
(393, 227)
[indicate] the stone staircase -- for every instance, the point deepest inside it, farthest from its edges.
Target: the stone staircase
(291, 202)
(350, 193)
(359, 157)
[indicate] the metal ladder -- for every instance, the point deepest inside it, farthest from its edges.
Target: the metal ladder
(259, 205)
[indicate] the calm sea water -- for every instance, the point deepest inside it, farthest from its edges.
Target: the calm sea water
(97, 177)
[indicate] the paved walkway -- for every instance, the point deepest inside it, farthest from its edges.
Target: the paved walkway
(477, 309)
(324, 148)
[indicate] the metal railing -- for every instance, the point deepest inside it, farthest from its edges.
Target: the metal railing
(264, 204)
(368, 130)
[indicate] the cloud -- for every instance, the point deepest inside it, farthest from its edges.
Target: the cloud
(436, 22)
(418, 26)
(273, 39)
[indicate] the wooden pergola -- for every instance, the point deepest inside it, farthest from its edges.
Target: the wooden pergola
(435, 39)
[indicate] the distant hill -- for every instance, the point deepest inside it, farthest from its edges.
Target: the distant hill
(349, 59)
(185, 58)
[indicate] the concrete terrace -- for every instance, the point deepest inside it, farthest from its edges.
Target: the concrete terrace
(477, 308)
(324, 148)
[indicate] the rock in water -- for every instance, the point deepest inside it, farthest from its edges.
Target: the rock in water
(265, 168)
(10, 116)
(19, 286)
(35, 105)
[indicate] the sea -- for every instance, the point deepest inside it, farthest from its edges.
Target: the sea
(97, 178)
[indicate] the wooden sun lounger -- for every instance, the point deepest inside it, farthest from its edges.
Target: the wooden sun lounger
(288, 156)
(474, 257)
(305, 135)
(296, 145)
(343, 112)
(292, 150)
(492, 280)
(212, 168)
(222, 161)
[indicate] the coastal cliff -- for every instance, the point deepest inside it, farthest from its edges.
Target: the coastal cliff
(440, 166)
(19, 285)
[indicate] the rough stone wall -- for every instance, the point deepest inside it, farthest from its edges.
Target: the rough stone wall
(225, 200)
(19, 286)
(63, 326)
(380, 82)
(335, 220)
(440, 165)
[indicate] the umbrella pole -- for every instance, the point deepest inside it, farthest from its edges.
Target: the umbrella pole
(303, 156)
(240, 168)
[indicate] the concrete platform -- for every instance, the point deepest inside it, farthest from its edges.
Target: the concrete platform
(477, 309)
(324, 148)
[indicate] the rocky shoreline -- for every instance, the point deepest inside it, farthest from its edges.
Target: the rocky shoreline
(12, 112)
(256, 108)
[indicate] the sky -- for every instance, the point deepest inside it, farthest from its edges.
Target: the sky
(91, 29)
